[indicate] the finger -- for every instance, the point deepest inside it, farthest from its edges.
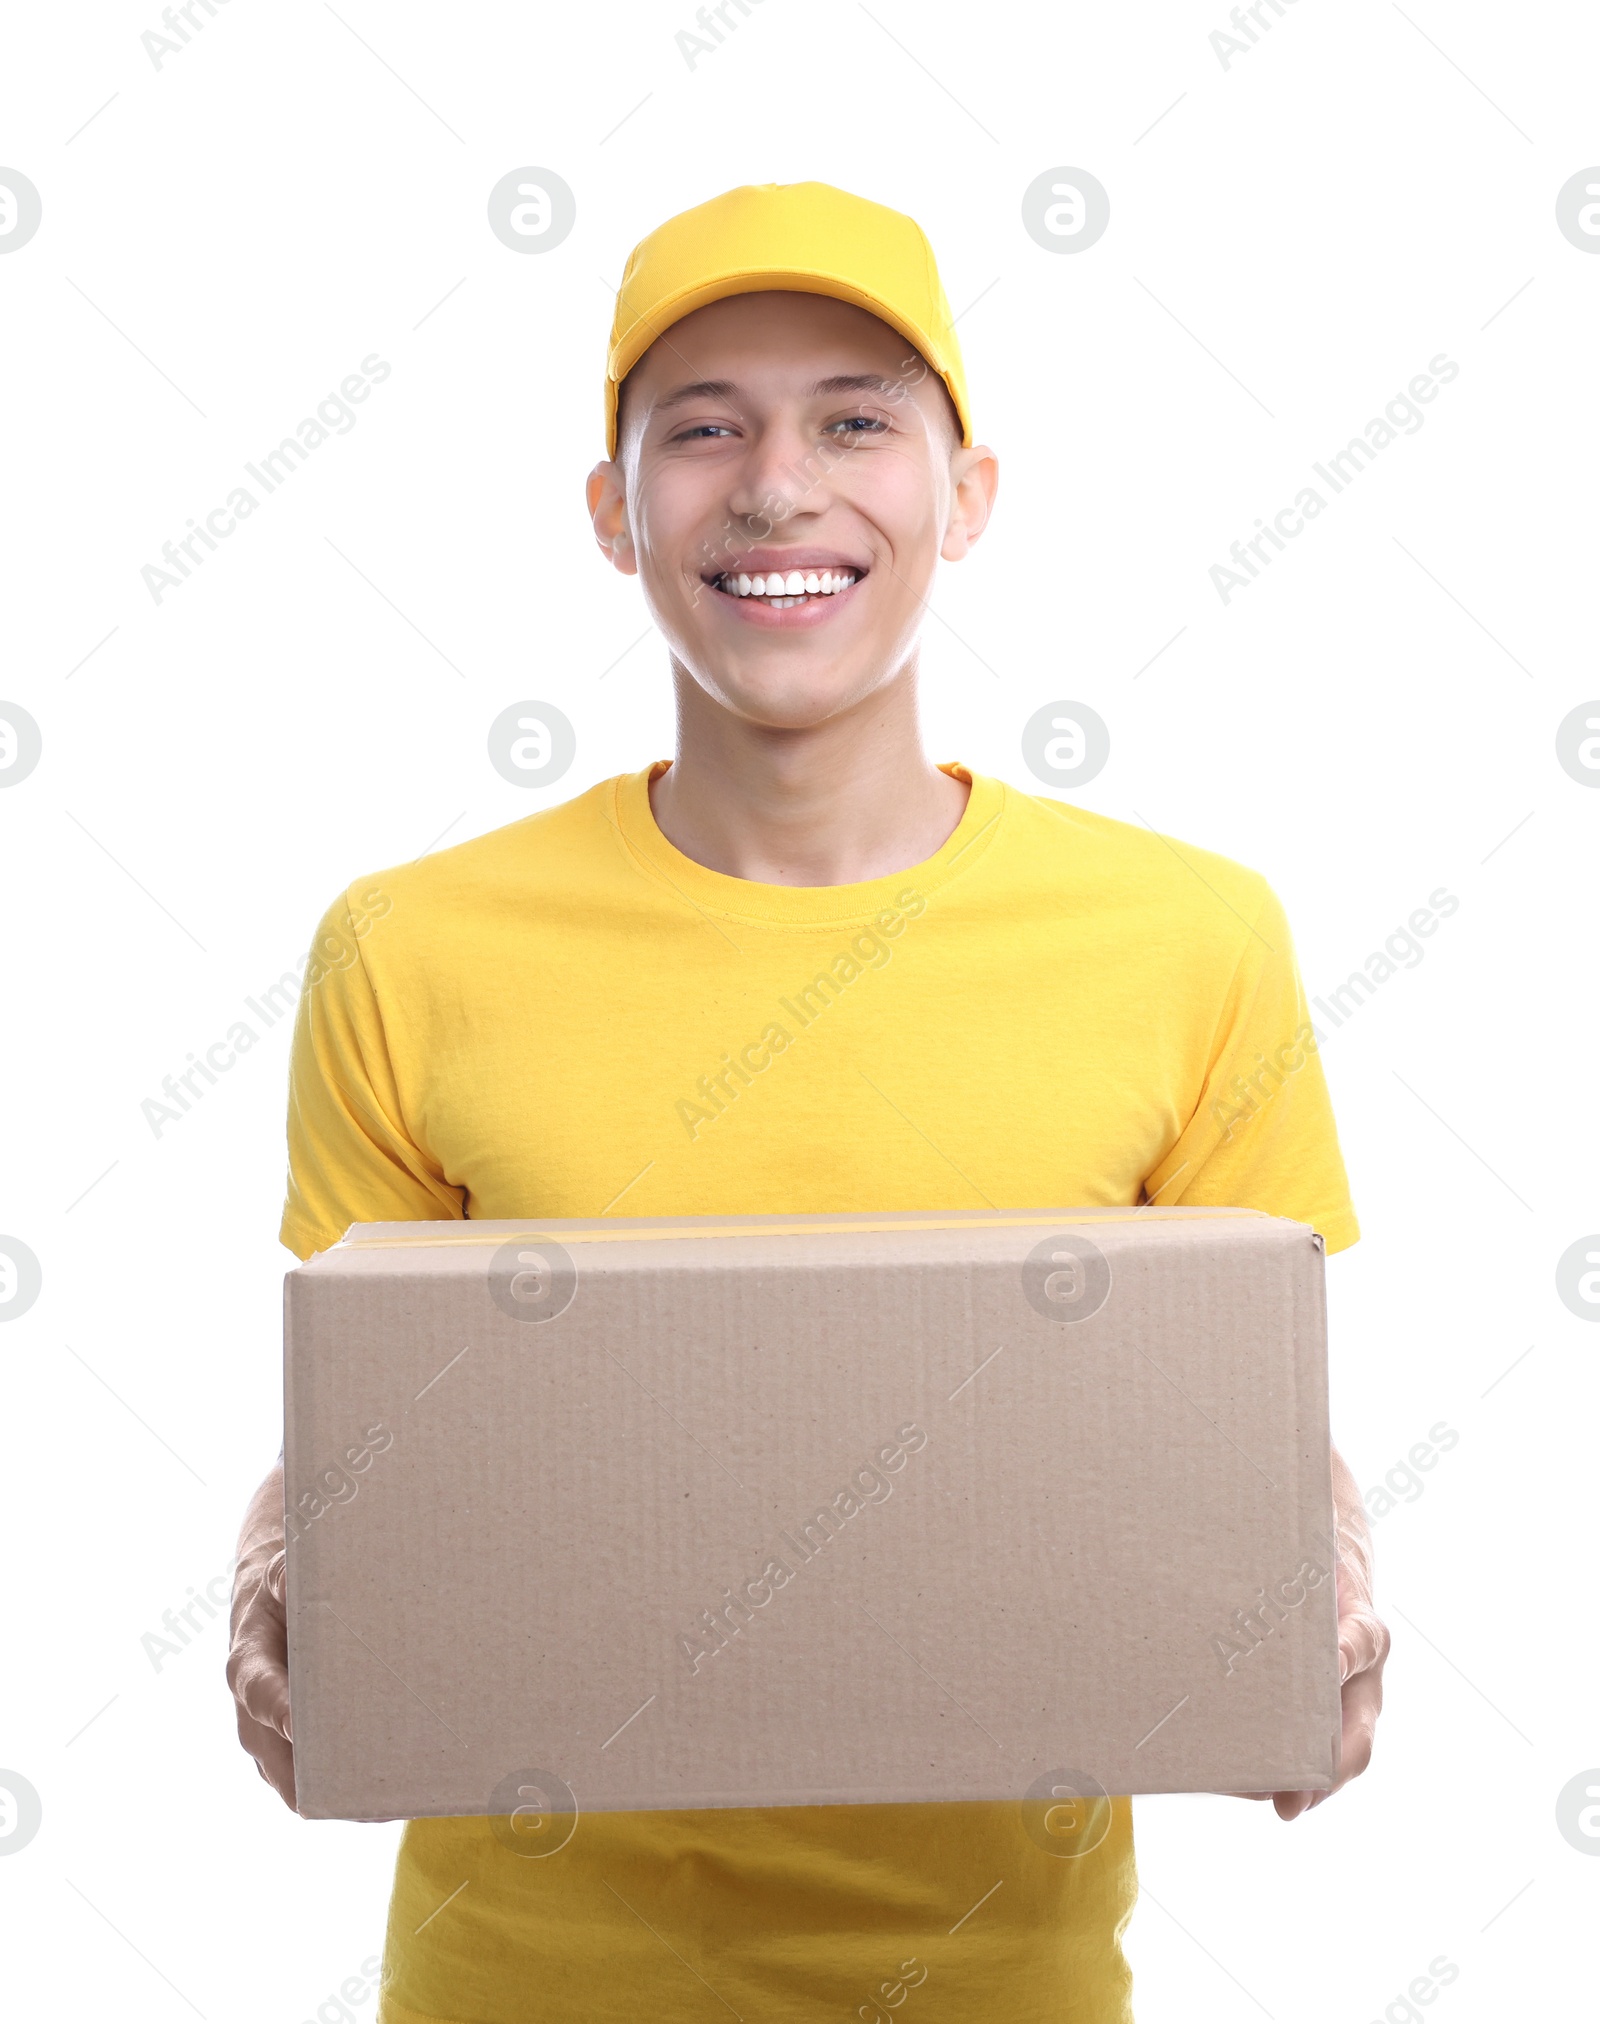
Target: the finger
(273, 1755)
(264, 1697)
(258, 1590)
(1363, 1698)
(1290, 1805)
(260, 1684)
(1356, 1754)
(1363, 1644)
(258, 1660)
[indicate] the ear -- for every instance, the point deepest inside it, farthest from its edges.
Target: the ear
(608, 509)
(974, 480)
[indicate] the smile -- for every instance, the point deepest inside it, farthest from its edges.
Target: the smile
(781, 590)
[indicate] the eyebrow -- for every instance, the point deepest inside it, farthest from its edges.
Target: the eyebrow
(700, 390)
(854, 383)
(725, 390)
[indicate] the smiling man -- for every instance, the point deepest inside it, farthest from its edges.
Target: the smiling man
(797, 969)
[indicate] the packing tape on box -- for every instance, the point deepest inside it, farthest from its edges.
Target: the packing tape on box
(466, 1234)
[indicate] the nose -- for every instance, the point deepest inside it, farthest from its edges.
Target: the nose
(782, 476)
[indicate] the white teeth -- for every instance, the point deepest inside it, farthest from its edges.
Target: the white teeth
(791, 588)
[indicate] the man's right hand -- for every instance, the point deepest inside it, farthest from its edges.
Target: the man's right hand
(258, 1649)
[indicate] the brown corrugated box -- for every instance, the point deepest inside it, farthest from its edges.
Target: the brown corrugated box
(785, 1511)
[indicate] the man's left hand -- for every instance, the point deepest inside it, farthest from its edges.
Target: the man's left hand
(1363, 1647)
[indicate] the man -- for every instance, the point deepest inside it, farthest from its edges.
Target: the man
(646, 1002)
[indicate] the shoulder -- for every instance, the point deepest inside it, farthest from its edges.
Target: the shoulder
(437, 915)
(1131, 865)
(554, 852)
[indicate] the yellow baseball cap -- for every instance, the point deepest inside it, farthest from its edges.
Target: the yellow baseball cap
(806, 236)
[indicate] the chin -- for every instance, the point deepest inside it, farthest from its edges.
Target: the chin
(787, 700)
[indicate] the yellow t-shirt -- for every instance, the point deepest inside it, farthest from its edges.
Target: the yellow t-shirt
(569, 1018)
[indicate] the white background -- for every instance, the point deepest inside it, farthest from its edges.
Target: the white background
(1292, 239)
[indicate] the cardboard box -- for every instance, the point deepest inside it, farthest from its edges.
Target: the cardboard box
(808, 1510)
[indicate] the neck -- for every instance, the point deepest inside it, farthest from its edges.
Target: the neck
(838, 803)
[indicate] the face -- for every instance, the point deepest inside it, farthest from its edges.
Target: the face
(788, 477)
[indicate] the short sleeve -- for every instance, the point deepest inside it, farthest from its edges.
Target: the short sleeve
(1262, 1135)
(351, 1157)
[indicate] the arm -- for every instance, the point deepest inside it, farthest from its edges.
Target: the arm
(1275, 1148)
(350, 1161)
(1363, 1643)
(258, 1649)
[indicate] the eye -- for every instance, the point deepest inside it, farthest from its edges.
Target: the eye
(702, 429)
(860, 425)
